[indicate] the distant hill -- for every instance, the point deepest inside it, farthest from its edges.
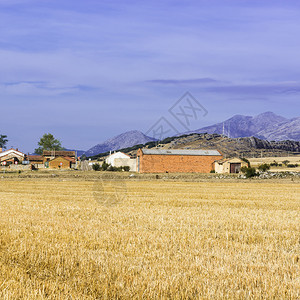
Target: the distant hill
(268, 126)
(124, 140)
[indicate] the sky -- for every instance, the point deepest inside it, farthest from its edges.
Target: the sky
(89, 70)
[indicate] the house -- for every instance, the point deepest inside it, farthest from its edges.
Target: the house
(59, 159)
(120, 159)
(60, 162)
(36, 161)
(176, 160)
(230, 165)
(11, 156)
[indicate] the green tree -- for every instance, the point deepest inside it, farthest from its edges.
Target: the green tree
(249, 172)
(48, 142)
(3, 140)
(264, 167)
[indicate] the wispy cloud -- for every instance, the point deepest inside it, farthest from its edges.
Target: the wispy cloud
(203, 81)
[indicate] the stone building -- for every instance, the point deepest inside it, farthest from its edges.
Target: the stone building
(230, 165)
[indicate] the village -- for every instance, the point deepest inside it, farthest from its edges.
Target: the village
(154, 160)
(146, 161)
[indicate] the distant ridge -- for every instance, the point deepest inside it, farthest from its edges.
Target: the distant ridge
(124, 140)
(267, 126)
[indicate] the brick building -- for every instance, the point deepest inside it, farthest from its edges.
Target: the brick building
(61, 162)
(176, 160)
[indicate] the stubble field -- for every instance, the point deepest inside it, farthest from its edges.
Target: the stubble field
(82, 239)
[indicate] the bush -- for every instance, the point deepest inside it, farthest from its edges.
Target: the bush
(264, 167)
(96, 167)
(274, 164)
(292, 165)
(285, 162)
(126, 168)
(249, 171)
(104, 166)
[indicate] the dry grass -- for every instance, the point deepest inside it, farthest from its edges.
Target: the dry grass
(174, 240)
(255, 162)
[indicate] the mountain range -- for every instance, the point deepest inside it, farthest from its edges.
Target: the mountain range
(124, 140)
(265, 126)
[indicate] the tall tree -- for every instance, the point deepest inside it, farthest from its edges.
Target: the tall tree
(3, 140)
(48, 142)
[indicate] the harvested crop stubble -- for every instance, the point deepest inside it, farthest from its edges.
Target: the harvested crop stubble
(163, 240)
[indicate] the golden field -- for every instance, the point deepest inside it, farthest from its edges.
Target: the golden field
(78, 238)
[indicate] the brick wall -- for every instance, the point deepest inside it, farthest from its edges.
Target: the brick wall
(59, 163)
(177, 163)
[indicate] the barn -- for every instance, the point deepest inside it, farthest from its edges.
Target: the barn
(176, 160)
(230, 165)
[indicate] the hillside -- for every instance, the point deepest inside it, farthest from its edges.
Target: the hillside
(230, 147)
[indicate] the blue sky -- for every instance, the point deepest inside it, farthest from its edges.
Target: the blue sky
(88, 70)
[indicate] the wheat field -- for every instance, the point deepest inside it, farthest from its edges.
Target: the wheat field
(135, 239)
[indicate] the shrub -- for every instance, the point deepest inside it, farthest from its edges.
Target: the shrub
(126, 168)
(292, 165)
(96, 167)
(264, 167)
(104, 166)
(274, 164)
(285, 162)
(249, 171)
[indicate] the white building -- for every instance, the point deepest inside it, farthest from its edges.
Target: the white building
(11, 156)
(120, 159)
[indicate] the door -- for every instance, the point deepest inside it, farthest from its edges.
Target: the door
(235, 168)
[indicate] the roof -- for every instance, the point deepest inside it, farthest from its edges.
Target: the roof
(65, 158)
(58, 153)
(221, 161)
(6, 152)
(118, 154)
(181, 152)
(35, 158)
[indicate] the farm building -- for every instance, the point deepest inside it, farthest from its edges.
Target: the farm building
(120, 159)
(230, 165)
(36, 161)
(11, 156)
(60, 162)
(181, 161)
(52, 154)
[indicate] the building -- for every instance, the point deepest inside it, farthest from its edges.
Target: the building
(230, 165)
(36, 161)
(59, 159)
(11, 156)
(60, 162)
(176, 160)
(120, 159)
(116, 155)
